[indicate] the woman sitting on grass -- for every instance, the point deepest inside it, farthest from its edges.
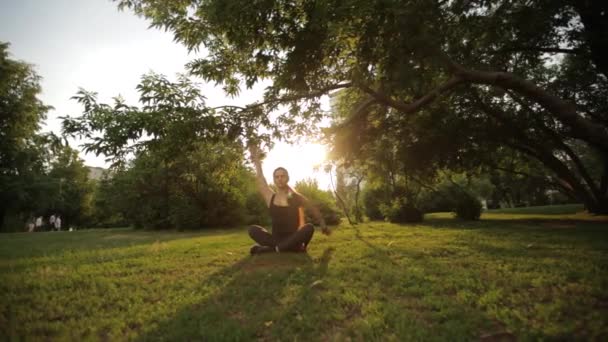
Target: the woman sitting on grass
(289, 233)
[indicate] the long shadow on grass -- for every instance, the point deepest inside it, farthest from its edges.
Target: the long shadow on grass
(257, 297)
(455, 285)
(601, 223)
(47, 244)
(538, 237)
(422, 290)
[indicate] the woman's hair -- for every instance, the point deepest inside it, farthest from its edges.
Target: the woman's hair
(280, 168)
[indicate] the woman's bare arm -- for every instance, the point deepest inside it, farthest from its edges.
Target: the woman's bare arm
(263, 187)
(316, 213)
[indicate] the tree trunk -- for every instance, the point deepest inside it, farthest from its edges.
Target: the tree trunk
(594, 15)
(358, 214)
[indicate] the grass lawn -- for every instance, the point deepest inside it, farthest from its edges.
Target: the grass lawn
(504, 277)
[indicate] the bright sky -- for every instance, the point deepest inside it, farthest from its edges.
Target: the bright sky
(90, 44)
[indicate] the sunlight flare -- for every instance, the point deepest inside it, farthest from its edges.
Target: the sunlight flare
(302, 161)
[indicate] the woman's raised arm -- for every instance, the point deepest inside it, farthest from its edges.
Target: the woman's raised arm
(263, 187)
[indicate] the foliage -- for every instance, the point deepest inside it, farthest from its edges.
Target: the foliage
(255, 207)
(399, 210)
(437, 200)
(446, 82)
(187, 172)
(373, 198)
(323, 199)
(108, 203)
(201, 188)
(23, 151)
(467, 206)
(441, 280)
(71, 194)
(173, 118)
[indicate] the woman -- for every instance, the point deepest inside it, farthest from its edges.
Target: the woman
(289, 233)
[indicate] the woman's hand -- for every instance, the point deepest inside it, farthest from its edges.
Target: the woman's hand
(255, 153)
(325, 230)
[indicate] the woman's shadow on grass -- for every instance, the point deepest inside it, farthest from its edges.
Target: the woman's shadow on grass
(256, 298)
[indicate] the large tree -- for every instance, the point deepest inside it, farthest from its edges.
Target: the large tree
(187, 170)
(534, 71)
(23, 150)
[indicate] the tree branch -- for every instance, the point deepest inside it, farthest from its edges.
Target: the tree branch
(560, 183)
(228, 106)
(545, 156)
(564, 111)
(359, 113)
(561, 144)
(539, 49)
(406, 108)
(288, 98)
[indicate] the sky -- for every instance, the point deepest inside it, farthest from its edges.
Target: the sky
(90, 44)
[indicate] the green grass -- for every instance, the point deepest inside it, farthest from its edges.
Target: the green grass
(565, 209)
(441, 280)
(566, 214)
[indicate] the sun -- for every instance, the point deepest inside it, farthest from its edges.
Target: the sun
(311, 155)
(302, 161)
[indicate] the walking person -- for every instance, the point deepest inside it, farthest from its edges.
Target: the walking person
(58, 223)
(52, 222)
(39, 223)
(30, 224)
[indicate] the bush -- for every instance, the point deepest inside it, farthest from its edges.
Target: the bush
(399, 211)
(330, 214)
(257, 210)
(468, 207)
(323, 199)
(436, 201)
(373, 199)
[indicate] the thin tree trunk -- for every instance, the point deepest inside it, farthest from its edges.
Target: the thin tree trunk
(343, 205)
(358, 215)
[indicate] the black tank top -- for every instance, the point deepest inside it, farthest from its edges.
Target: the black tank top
(285, 220)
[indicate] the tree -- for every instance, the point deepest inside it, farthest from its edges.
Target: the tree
(188, 171)
(23, 151)
(487, 65)
(109, 201)
(71, 189)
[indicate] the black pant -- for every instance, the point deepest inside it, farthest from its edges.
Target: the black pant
(291, 242)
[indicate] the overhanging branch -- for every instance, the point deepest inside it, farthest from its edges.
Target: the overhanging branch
(539, 49)
(294, 97)
(564, 111)
(406, 108)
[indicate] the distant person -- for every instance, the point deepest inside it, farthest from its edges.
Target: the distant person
(58, 223)
(30, 225)
(39, 223)
(289, 232)
(52, 221)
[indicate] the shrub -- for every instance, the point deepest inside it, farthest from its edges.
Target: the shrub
(323, 199)
(399, 211)
(373, 199)
(467, 206)
(436, 201)
(257, 210)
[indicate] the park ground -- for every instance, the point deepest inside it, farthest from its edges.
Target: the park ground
(525, 274)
